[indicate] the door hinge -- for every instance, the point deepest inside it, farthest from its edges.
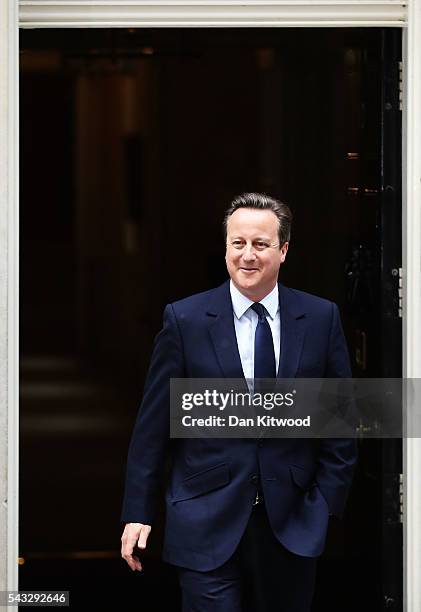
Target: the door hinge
(401, 498)
(400, 77)
(397, 274)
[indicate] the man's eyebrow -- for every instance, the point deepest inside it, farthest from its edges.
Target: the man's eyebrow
(262, 239)
(238, 237)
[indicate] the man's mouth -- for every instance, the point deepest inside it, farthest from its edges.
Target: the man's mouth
(249, 270)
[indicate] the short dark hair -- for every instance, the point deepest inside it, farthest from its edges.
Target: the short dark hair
(262, 201)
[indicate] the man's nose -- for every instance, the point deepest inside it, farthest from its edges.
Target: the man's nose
(249, 253)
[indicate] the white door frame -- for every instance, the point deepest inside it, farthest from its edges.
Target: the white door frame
(202, 13)
(411, 267)
(9, 297)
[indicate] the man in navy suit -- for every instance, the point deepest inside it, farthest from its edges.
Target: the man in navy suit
(246, 519)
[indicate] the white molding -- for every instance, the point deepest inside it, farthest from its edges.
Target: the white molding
(412, 297)
(211, 13)
(13, 301)
(9, 279)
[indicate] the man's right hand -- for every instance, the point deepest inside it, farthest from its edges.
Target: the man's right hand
(134, 534)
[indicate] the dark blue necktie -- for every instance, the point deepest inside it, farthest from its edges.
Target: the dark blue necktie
(264, 353)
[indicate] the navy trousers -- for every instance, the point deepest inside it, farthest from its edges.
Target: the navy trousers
(261, 576)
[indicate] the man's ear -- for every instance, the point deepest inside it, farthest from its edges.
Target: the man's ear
(284, 250)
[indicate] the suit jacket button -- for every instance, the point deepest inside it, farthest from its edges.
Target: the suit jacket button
(254, 478)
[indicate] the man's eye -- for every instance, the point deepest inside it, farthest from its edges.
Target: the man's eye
(237, 244)
(260, 245)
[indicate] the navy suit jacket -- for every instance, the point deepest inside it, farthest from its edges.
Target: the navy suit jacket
(213, 481)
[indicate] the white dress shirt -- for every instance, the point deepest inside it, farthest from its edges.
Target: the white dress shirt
(245, 322)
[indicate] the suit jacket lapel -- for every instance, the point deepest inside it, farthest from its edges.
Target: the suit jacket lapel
(222, 332)
(293, 326)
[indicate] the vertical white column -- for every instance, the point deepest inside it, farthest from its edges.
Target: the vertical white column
(412, 297)
(8, 294)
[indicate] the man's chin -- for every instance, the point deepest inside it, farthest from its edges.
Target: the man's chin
(247, 283)
(247, 286)
(249, 278)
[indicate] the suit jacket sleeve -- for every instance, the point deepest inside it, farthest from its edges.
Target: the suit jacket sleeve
(150, 438)
(337, 457)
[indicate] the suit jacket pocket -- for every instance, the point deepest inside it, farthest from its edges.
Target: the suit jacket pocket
(302, 477)
(202, 482)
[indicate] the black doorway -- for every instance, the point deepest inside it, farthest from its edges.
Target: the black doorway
(133, 143)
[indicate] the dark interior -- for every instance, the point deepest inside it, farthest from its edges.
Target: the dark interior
(133, 143)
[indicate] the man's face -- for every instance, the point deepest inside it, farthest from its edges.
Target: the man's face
(253, 256)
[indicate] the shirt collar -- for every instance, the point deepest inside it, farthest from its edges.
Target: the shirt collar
(241, 303)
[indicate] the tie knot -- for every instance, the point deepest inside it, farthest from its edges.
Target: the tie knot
(260, 310)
